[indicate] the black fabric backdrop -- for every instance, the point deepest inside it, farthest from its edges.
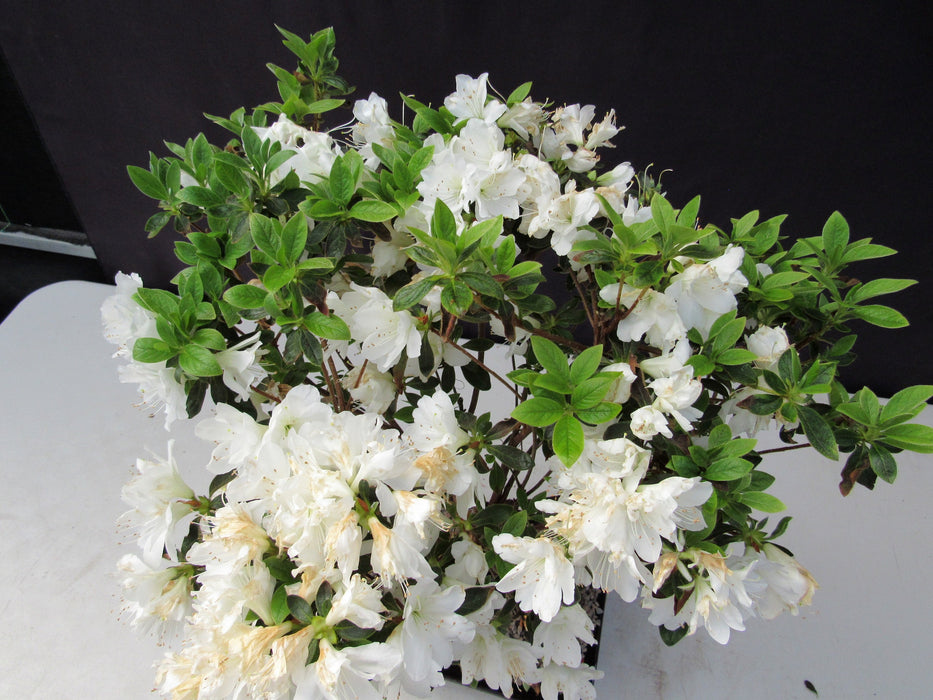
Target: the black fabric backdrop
(789, 108)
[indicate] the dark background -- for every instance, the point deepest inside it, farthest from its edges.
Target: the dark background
(788, 108)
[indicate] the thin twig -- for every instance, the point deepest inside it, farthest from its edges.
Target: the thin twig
(785, 449)
(479, 362)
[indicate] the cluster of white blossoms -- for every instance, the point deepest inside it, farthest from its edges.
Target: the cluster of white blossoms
(364, 530)
(299, 495)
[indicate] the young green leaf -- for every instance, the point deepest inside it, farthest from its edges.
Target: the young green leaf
(567, 439)
(586, 364)
(246, 296)
(551, 357)
(199, 362)
(538, 412)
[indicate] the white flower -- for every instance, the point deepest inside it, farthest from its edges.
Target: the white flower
(676, 395)
(669, 362)
(397, 556)
(497, 660)
(788, 584)
(157, 598)
(389, 256)
(240, 368)
(372, 389)
(469, 567)
(647, 422)
(559, 640)
(430, 628)
(372, 126)
(469, 101)
(225, 596)
(705, 291)
(315, 152)
(651, 314)
(161, 511)
(124, 320)
(346, 674)
(621, 389)
(236, 435)
(159, 388)
(565, 216)
(438, 439)
(524, 118)
(235, 539)
(768, 344)
(542, 576)
(569, 683)
(357, 602)
(383, 333)
(283, 131)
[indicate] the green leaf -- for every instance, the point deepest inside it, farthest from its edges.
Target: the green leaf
(511, 457)
(835, 236)
(818, 432)
(474, 598)
(648, 273)
(906, 403)
(882, 463)
(246, 296)
(293, 239)
(538, 412)
(456, 297)
(591, 391)
(735, 356)
(199, 197)
(910, 436)
(878, 287)
(199, 362)
(349, 632)
(551, 382)
(662, 213)
(373, 211)
(518, 94)
(600, 413)
(567, 439)
(279, 605)
(328, 326)
(326, 105)
(702, 365)
(342, 185)
(152, 350)
(759, 500)
(413, 292)
(277, 277)
(737, 447)
(719, 436)
(883, 316)
(262, 232)
(209, 338)
(764, 404)
(443, 223)
(728, 469)
(482, 283)
(147, 183)
(158, 301)
(868, 251)
(300, 609)
(550, 356)
(671, 637)
(516, 524)
(586, 364)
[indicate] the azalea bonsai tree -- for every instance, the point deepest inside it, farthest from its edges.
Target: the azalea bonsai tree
(352, 297)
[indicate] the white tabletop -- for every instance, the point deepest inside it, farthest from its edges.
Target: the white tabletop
(70, 435)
